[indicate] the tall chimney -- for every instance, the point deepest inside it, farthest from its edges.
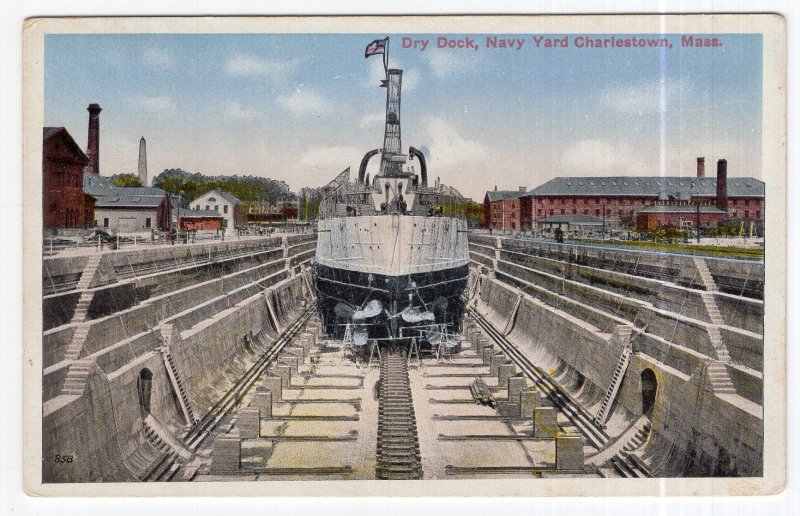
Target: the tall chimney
(93, 145)
(701, 167)
(143, 161)
(722, 184)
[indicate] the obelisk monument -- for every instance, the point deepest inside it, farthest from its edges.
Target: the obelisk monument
(143, 161)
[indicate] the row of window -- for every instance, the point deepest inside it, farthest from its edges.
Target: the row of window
(216, 207)
(147, 222)
(630, 201)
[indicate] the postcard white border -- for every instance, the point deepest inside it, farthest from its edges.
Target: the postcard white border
(774, 174)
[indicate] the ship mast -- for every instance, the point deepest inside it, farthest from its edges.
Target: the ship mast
(392, 158)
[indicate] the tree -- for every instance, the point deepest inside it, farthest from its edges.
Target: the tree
(124, 180)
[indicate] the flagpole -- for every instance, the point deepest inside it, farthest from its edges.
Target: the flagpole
(386, 57)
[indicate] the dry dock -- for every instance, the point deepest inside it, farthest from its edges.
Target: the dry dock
(209, 362)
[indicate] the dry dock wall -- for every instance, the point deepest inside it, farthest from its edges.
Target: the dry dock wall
(569, 326)
(212, 338)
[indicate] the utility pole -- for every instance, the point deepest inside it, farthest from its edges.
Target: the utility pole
(697, 215)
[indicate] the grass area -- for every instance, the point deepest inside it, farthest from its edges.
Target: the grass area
(706, 250)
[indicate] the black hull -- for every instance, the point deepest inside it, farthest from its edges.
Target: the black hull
(341, 291)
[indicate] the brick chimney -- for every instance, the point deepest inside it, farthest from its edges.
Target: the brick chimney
(722, 184)
(93, 144)
(701, 167)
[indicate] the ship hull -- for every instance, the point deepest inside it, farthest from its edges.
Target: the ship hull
(404, 262)
(341, 292)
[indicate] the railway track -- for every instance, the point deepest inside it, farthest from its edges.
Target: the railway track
(204, 428)
(398, 456)
(625, 464)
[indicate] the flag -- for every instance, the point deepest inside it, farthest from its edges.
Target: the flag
(376, 47)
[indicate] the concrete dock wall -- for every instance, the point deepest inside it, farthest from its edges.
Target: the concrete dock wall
(212, 325)
(566, 323)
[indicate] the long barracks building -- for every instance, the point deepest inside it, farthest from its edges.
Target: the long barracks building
(626, 201)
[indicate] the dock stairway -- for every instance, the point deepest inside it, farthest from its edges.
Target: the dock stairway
(718, 375)
(177, 385)
(89, 271)
(603, 413)
(77, 378)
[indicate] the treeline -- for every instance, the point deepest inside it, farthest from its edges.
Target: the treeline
(124, 180)
(248, 189)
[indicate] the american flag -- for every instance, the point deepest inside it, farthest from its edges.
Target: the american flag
(376, 47)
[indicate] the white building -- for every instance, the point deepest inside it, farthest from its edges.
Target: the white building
(223, 203)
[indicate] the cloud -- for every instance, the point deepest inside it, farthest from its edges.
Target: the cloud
(242, 65)
(602, 158)
(234, 110)
(411, 77)
(329, 159)
(305, 102)
(646, 98)
(152, 104)
(372, 119)
(450, 148)
(448, 64)
(158, 58)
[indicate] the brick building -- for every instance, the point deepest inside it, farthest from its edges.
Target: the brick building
(507, 210)
(64, 203)
(618, 201)
(199, 220)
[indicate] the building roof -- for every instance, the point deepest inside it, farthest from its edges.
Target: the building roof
(111, 196)
(198, 214)
(676, 187)
(681, 208)
(50, 132)
(576, 220)
(504, 195)
(221, 193)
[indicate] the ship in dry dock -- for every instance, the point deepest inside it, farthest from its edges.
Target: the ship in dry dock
(392, 259)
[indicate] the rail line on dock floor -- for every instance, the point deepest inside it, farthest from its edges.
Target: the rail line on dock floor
(169, 466)
(398, 455)
(626, 464)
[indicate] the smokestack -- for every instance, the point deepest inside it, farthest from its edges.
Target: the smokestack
(701, 167)
(722, 184)
(143, 161)
(93, 145)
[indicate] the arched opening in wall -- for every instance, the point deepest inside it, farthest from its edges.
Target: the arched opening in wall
(649, 389)
(144, 387)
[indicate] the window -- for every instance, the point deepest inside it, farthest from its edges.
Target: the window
(147, 222)
(225, 209)
(105, 222)
(197, 207)
(208, 207)
(585, 212)
(551, 211)
(597, 212)
(216, 208)
(562, 211)
(574, 211)
(747, 214)
(539, 211)
(619, 213)
(758, 214)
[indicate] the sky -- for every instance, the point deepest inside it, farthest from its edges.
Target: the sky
(303, 107)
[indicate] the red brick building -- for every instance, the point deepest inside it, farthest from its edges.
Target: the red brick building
(678, 215)
(64, 203)
(507, 210)
(619, 199)
(199, 220)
